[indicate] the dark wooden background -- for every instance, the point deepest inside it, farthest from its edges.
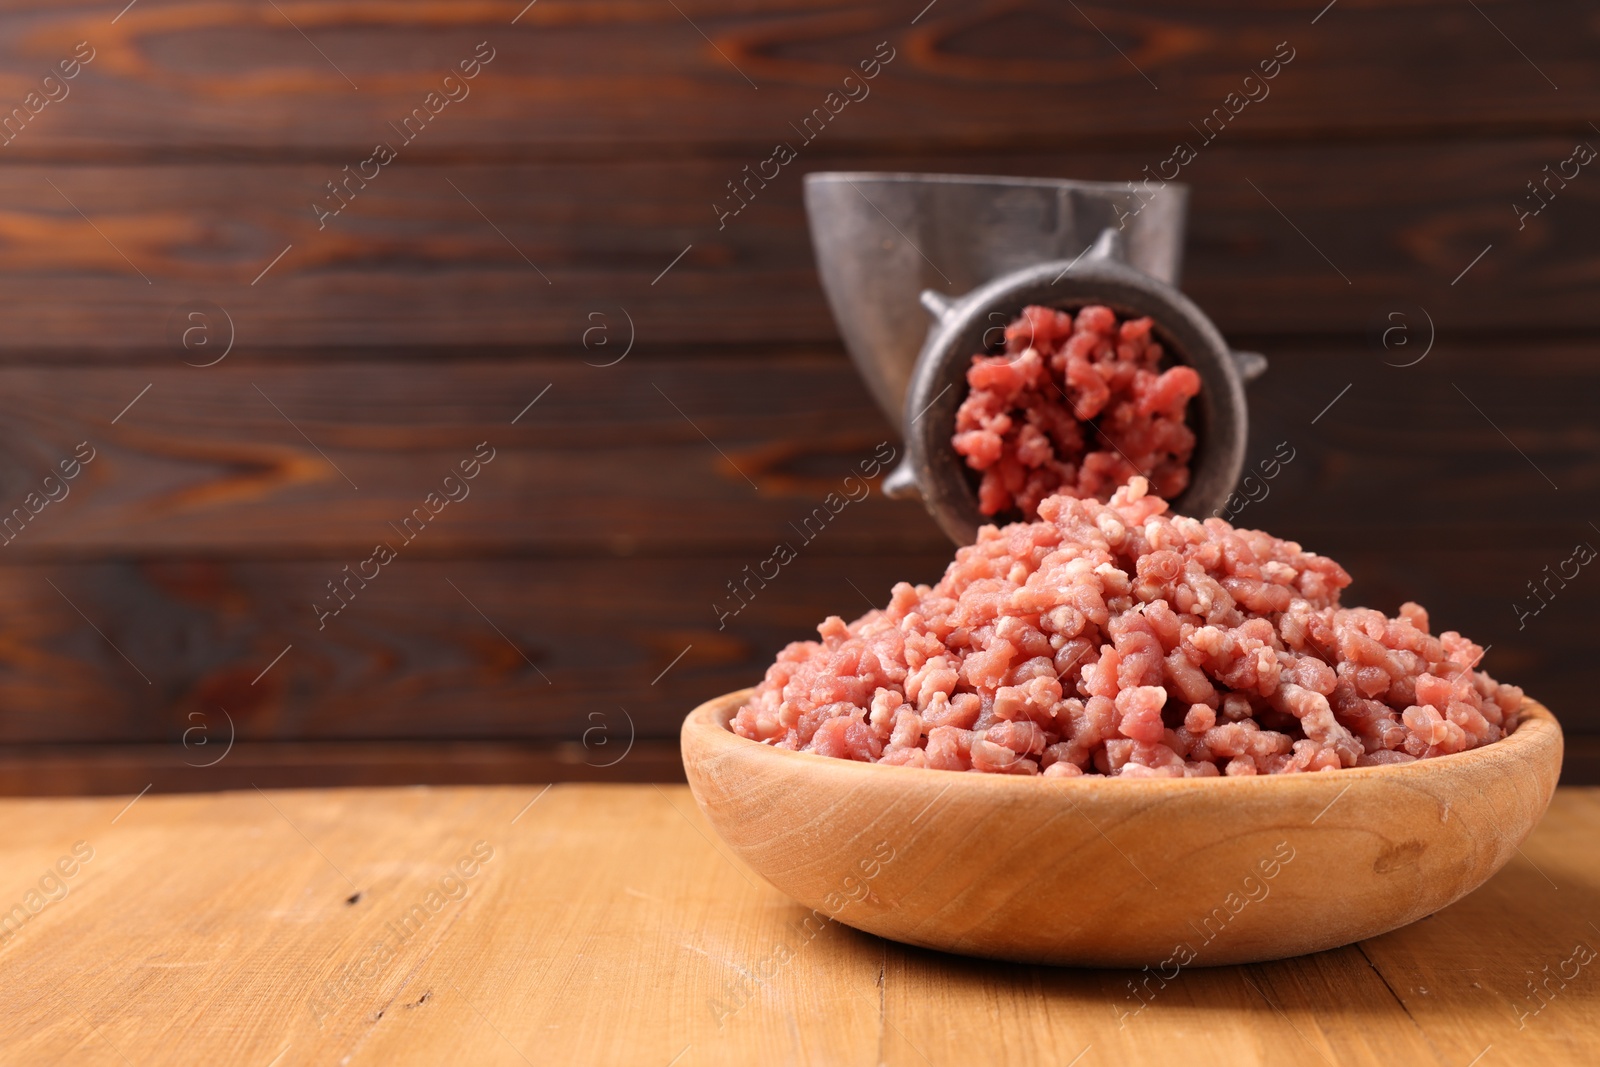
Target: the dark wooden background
(566, 605)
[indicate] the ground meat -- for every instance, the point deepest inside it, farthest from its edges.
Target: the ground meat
(1120, 640)
(1075, 404)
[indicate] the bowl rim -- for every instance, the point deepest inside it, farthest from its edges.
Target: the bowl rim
(1537, 731)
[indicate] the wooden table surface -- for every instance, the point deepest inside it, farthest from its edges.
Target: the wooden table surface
(602, 924)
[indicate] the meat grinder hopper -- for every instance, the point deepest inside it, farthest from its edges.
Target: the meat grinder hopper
(972, 251)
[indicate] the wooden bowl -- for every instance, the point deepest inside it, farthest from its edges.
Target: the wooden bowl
(1163, 873)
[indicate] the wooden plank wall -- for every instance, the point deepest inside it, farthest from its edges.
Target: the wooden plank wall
(268, 388)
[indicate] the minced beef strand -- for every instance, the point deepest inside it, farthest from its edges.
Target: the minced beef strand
(1075, 404)
(1116, 639)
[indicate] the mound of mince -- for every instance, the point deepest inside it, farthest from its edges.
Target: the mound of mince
(1115, 639)
(1076, 404)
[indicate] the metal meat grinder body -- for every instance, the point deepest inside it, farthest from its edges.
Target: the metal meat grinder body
(973, 252)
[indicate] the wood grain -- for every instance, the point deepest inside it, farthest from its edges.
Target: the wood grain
(695, 455)
(476, 268)
(199, 760)
(1272, 1013)
(523, 254)
(610, 926)
(125, 769)
(976, 864)
(235, 76)
(412, 658)
(685, 455)
(206, 528)
(1502, 998)
(434, 649)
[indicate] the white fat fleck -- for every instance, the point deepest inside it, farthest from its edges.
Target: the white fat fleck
(1280, 573)
(1113, 527)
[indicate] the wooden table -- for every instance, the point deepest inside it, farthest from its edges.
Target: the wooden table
(602, 924)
